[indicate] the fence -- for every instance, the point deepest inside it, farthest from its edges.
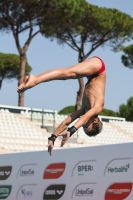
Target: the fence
(97, 173)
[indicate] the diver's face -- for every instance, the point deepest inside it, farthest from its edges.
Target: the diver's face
(90, 123)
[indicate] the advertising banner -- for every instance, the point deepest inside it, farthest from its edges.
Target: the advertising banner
(95, 173)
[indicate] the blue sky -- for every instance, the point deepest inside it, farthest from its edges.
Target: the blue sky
(43, 55)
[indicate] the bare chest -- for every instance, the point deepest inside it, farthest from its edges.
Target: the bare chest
(93, 94)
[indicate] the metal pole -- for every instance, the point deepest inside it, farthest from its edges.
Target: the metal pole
(31, 114)
(42, 118)
(54, 120)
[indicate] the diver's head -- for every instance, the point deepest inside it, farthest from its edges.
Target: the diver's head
(93, 126)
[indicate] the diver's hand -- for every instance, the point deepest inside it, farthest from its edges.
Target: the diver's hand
(50, 147)
(65, 136)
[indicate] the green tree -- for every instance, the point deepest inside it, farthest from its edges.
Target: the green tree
(126, 110)
(89, 29)
(19, 16)
(127, 57)
(106, 112)
(10, 67)
(67, 110)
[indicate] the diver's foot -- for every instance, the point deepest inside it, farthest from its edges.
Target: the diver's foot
(28, 82)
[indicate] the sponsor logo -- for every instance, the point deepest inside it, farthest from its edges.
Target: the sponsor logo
(27, 170)
(118, 191)
(119, 165)
(84, 192)
(54, 171)
(83, 168)
(5, 172)
(5, 191)
(26, 191)
(118, 169)
(54, 192)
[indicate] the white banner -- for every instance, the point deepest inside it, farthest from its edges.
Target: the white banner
(95, 173)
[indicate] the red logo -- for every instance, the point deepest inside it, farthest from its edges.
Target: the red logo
(54, 171)
(118, 191)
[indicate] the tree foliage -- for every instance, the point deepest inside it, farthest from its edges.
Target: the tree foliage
(126, 110)
(127, 57)
(67, 110)
(94, 26)
(107, 112)
(10, 67)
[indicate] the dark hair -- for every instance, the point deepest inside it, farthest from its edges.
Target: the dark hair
(96, 129)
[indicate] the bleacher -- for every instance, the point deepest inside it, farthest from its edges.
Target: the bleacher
(28, 130)
(126, 126)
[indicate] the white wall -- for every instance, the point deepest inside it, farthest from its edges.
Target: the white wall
(69, 173)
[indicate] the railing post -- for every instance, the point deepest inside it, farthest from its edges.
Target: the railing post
(31, 114)
(42, 118)
(54, 121)
(77, 134)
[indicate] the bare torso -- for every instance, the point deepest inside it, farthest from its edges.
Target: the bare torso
(94, 91)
